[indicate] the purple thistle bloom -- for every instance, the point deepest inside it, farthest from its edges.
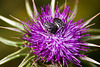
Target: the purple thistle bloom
(58, 38)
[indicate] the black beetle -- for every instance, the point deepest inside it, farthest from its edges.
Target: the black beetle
(53, 27)
(50, 27)
(58, 22)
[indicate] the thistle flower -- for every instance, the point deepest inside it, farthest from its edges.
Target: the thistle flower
(54, 38)
(53, 35)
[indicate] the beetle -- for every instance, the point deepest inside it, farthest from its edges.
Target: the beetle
(58, 22)
(53, 27)
(50, 27)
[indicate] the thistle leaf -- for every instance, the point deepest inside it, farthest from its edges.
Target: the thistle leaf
(93, 37)
(65, 3)
(52, 7)
(75, 8)
(10, 43)
(34, 7)
(88, 21)
(88, 64)
(62, 6)
(13, 29)
(19, 53)
(26, 60)
(28, 8)
(93, 45)
(11, 22)
(74, 11)
(94, 30)
(91, 60)
(28, 65)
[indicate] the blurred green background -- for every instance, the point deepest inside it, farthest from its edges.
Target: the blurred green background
(86, 9)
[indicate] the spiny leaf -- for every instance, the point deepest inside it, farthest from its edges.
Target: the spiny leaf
(52, 7)
(34, 7)
(93, 37)
(94, 30)
(62, 6)
(88, 64)
(11, 22)
(22, 52)
(74, 11)
(13, 29)
(28, 65)
(91, 60)
(65, 3)
(28, 8)
(93, 45)
(10, 43)
(88, 21)
(26, 60)
(75, 8)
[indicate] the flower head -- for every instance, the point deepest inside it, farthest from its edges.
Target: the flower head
(50, 36)
(54, 37)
